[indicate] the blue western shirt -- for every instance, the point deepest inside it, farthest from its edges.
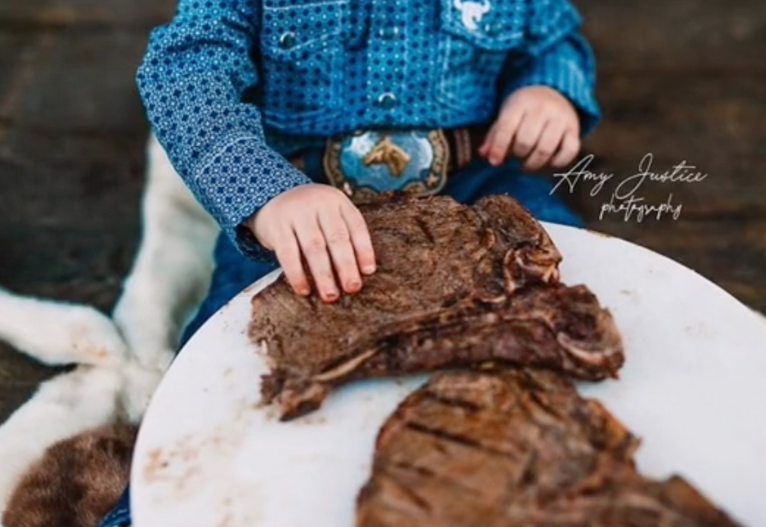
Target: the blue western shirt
(231, 87)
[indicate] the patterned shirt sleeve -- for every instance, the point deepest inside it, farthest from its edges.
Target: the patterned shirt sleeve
(558, 56)
(192, 80)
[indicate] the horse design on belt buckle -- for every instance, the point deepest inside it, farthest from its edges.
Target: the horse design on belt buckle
(387, 153)
(374, 161)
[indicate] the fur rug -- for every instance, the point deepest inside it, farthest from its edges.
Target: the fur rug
(120, 359)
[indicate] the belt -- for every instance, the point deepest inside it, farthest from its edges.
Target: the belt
(419, 162)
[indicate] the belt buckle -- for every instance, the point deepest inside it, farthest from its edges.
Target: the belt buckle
(370, 162)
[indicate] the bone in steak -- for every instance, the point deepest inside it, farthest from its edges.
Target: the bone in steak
(516, 448)
(455, 286)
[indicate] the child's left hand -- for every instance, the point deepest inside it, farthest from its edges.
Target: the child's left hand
(536, 124)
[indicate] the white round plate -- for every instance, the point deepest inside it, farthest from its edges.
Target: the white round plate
(693, 388)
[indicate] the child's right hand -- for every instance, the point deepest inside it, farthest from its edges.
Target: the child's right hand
(321, 224)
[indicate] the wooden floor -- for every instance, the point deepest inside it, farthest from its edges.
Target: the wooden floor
(682, 80)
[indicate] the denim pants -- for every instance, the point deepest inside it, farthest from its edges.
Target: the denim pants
(234, 272)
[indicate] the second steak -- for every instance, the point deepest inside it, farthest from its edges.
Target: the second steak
(516, 448)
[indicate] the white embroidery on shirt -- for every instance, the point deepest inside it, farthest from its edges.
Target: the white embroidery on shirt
(472, 12)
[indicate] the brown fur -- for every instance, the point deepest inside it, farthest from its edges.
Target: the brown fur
(76, 482)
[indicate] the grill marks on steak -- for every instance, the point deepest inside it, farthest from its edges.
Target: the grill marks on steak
(455, 286)
(556, 327)
(511, 448)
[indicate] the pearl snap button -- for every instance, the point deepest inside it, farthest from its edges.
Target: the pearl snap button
(387, 100)
(287, 40)
(388, 33)
(492, 29)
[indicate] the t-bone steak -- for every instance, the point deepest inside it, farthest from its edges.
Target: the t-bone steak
(516, 447)
(454, 286)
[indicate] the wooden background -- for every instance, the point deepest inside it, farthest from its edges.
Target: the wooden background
(682, 79)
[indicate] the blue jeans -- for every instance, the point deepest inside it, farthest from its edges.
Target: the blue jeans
(234, 272)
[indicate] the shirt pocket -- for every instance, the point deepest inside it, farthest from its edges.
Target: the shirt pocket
(477, 38)
(301, 62)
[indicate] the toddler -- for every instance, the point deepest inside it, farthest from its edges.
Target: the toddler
(281, 114)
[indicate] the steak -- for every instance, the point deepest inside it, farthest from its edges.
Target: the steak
(455, 286)
(516, 447)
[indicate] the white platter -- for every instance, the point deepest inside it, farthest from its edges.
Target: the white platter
(693, 388)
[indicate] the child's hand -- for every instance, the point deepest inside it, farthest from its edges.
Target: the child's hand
(320, 223)
(536, 124)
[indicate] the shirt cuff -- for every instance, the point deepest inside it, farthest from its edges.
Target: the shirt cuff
(568, 78)
(236, 181)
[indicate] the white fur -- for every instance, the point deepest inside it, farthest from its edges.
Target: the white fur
(58, 333)
(172, 271)
(138, 385)
(169, 279)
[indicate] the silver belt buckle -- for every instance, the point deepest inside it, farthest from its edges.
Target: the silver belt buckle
(375, 161)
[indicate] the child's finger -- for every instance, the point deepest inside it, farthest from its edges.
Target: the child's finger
(550, 139)
(506, 127)
(570, 147)
(528, 135)
(488, 140)
(289, 257)
(338, 240)
(314, 248)
(360, 238)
